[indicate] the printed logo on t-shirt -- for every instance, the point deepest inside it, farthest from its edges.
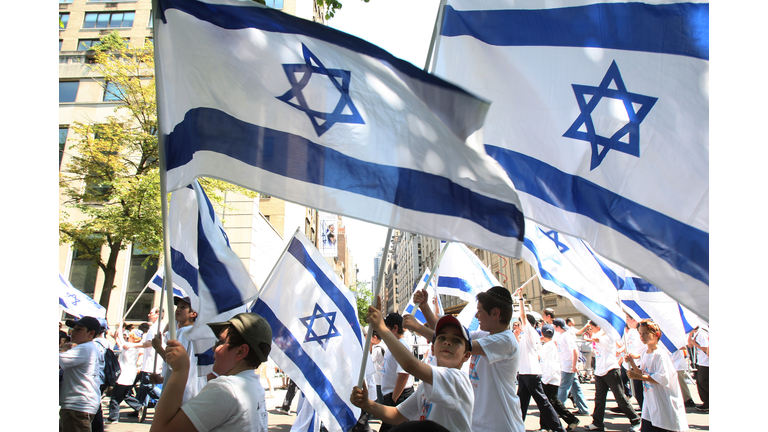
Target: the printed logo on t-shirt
(473, 369)
(426, 408)
(646, 384)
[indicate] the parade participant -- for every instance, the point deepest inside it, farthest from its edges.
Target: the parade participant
(529, 375)
(396, 383)
(568, 352)
(550, 377)
(81, 363)
(548, 315)
(607, 377)
(634, 346)
(699, 339)
(445, 395)
(234, 401)
(663, 407)
(680, 360)
(129, 361)
(493, 366)
(148, 365)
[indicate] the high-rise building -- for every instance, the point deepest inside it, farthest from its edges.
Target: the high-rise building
(85, 97)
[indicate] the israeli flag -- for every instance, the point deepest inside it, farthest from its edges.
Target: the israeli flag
(462, 274)
(316, 337)
(642, 300)
(414, 310)
(303, 112)
(306, 417)
(568, 267)
(76, 303)
(205, 268)
(156, 283)
(600, 116)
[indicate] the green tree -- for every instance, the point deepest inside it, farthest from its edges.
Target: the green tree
(364, 299)
(111, 185)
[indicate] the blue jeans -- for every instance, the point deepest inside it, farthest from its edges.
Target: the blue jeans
(570, 384)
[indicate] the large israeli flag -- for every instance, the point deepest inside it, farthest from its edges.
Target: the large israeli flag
(156, 283)
(205, 268)
(76, 303)
(462, 274)
(301, 111)
(568, 267)
(433, 299)
(600, 116)
(316, 337)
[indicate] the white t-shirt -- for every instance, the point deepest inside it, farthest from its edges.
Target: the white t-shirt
(79, 387)
(391, 369)
(493, 375)
(605, 355)
(448, 401)
(530, 343)
(550, 364)
(194, 383)
(663, 403)
(679, 361)
(702, 338)
(128, 369)
(149, 352)
(566, 344)
(377, 357)
(229, 403)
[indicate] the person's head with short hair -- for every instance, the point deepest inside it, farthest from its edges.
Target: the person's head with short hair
(559, 325)
(84, 330)
(144, 327)
(244, 342)
(154, 314)
(185, 315)
(594, 327)
(494, 309)
(569, 322)
(649, 331)
(451, 343)
(631, 322)
(104, 326)
(394, 322)
(375, 338)
(548, 315)
(547, 331)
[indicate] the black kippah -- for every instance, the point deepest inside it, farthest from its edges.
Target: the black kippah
(501, 293)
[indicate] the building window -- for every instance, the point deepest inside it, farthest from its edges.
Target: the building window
(86, 44)
(275, 4)
(148, 40)
(63, 20)
(63, 130)
(83, 274)
(112, 93)
(138, 276)
(65, 1)
(68, 91)
(60, 42)
(108, 20)
(151, 22)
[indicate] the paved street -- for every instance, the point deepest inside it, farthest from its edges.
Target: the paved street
(279, 422)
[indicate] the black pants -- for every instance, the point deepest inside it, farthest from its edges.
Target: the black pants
(119, 392)
(638, 385)
(611, 381)
(387, 401)
(702, 383)
(646, 426)
(550, 390)
(530, 386)
(289, 394)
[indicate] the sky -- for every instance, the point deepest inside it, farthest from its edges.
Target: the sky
(404, 28)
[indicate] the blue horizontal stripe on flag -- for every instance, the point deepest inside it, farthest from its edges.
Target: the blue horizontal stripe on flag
(241, 17)
(214, 273)
(682, 246)
(184, 269)
(455, 283)
(644, 315)
(329, 288)
(291, 347)
(679, 29)
(641, 285)
(206, 358)
(292, 156)
(158, 282)
(617, 322)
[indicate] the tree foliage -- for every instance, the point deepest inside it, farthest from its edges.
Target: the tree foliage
(364, 299)
(112, 178)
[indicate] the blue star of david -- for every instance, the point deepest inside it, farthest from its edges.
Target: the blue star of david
(555, 237)
(309, 321)
(340, 79)
(74, 298)
(585, 118)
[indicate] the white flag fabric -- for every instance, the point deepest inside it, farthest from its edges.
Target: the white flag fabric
(77, 303)
(306, 417)
(156, 283)
(568, 267)
(600, 116)
(643, 300)
(303, 112)
(316, 337)
(462, 274)
(414, 310)
(205, 268)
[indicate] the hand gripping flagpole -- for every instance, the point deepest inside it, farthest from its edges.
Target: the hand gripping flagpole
(377, 290)
(159, 90)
